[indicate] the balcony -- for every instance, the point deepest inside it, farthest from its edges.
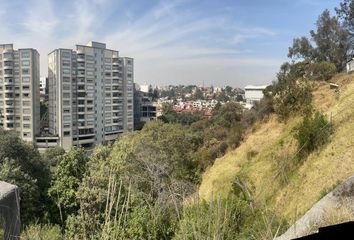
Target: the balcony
(80, 57)
(8, 65)
(9, 96)
(8, 88)
(8, 57)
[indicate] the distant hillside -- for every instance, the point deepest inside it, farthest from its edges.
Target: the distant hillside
(263, 159)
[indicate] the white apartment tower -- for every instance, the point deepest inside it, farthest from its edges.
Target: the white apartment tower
(19, 91)
(90, 95)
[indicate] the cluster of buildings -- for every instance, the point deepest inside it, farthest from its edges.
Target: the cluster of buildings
(89, 90)
(198, 106)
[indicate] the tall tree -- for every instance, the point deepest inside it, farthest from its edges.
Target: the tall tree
(345, 12)
(330, 42)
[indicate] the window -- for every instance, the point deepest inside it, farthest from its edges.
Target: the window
(66, 71)
(66, 54)
(66, 95)
(25, 71)
(66, 79)
(25, 54)
(26, 134)
(26, 111)
(26, 103)
(66, 125)
(25, 79)
(67, 118)
(8, 71)
(8, 55)
(25, 63)
(66, 63)
(26, 95)
(66, 133)
(25, 88)
(26, 125)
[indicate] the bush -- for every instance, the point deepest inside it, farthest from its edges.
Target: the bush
(323, 70)
(42, 232)
(313, 132)
(292, 98)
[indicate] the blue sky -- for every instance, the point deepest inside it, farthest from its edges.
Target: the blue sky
(219, 42)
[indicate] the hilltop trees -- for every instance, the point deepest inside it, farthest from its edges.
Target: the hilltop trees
(345, 12)
(329, 43)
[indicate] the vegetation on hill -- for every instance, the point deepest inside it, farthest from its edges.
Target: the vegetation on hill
(280, 158)
(268, 159)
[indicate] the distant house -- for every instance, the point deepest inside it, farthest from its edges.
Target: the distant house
(254, 94)
(350, 65)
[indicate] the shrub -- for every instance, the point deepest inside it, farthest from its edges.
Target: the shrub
(292, 98)
(313, 132)
(323, 70)
(42, 232)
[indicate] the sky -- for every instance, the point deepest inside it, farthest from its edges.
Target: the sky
(210, 42)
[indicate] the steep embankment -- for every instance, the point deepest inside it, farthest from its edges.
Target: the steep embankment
(265, 157)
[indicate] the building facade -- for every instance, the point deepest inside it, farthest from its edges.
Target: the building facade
(19, 91)
(90, 95)
(144, 108)
(254, 94)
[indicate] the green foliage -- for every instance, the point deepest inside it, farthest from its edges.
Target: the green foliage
(219, 219)
(313, 132)
(345, 12)
(21, 164)
(228, 114)
(51, 157)
(12, 172)
(323, 70)
(331, 43)
(67, 178)
(171, 116)
(292, 93)
(42, 232)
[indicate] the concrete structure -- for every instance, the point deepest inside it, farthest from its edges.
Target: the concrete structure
(145, 88)
(90, 95)
(144, 109)
(43, 86)
(19, 91)
(10, 211)
(254, 94)
(339, 200)
(350, 65)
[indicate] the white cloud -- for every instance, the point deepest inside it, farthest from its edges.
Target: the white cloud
(168, 44)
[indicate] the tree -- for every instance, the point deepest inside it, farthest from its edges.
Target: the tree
(331, 40)
(345, 12)
(331, 43)
(228, 114)
(21, 164)
(67, 178)
(302, 48)
(292, 93)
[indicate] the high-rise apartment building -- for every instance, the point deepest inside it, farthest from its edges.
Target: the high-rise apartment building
(19, 91)
(90, 95)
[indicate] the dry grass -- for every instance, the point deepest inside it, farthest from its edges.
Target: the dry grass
(333, 163)
(334, 215)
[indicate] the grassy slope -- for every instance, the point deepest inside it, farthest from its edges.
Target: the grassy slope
(271, 140)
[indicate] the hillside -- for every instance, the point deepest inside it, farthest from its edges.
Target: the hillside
(264, 158)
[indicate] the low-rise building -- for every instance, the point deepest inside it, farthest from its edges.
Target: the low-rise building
(254, 94)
